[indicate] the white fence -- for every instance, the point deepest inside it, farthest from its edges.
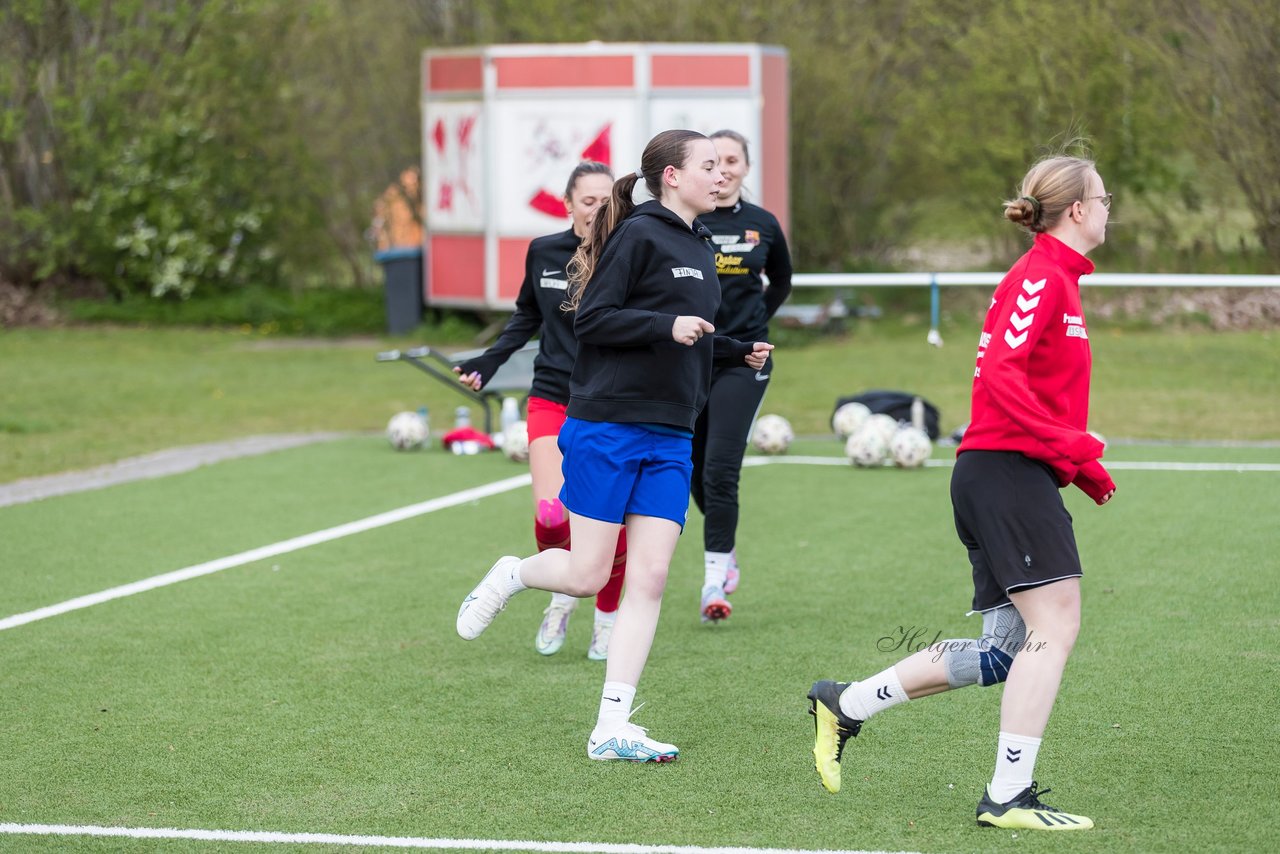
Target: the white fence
(934, 281)
(1119, 280)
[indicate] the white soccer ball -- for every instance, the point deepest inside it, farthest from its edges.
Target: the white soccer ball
(866, 448)
(910, 447)
(885, 425)
(772, 434)
(407, 431)
(515, 442)
(849, 418)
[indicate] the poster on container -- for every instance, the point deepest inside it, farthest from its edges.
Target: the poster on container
(539, 142)
(708, 115)
(454, 192)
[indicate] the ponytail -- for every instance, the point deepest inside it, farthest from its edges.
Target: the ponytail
(669, 148)
(612, 211)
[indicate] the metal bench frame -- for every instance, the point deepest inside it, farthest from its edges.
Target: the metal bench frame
(514, 378)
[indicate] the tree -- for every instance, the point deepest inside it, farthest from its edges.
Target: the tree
(1223, 62)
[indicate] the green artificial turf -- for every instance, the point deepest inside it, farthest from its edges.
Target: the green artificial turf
(324, 690)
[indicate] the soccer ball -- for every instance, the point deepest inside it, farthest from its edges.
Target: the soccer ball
(866, 447)
(849, 418)
(515, 442)
(772, 434)
(910, 447)
(407, 431)
(885, 425)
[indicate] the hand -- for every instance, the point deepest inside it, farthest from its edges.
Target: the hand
(759, 355)
(1094, 481)
(688, 329)
(473, 379)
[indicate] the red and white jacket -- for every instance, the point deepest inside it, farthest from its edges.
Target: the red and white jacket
(1031, 382)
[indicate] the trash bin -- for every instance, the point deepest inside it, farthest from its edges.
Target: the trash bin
(402, 279)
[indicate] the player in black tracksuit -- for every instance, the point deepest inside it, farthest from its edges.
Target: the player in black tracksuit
(629, 369)
(648, 285)
(540, 311)
(749, 241)
(537, 313)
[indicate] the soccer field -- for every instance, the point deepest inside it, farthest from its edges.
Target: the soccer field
(305, 683)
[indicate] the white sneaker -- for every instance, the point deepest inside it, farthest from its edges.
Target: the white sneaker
(628, 742)
(555, 623)
(600, 634)
(715, 607)
(486, 601)
(731, 575)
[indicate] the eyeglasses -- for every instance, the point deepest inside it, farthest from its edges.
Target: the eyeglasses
(1106, 199)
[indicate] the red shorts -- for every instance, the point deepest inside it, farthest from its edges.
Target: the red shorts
(545, 417)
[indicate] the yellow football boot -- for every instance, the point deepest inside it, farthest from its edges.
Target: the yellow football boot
(832, 728)
(1026, 812)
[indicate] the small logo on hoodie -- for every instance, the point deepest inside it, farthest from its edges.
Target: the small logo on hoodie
(685, 272)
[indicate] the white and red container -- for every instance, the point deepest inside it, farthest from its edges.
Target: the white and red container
(503, 126)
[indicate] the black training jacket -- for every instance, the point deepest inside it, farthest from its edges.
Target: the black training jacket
(629, 369)
(748, 240)
(538, 307)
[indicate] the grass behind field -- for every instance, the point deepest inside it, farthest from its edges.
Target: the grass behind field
(325, 691)
(73, 398)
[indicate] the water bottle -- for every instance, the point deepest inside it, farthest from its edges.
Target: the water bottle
(917, 413)
(462, 418)
(426, 424)
(510, 413)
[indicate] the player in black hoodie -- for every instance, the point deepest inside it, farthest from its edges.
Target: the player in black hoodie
(644, 283)
(540, 311)
(748, 241)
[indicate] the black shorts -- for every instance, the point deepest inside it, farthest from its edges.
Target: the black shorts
(1010, 516)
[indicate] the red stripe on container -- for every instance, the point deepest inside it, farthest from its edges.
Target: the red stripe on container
(456, 265)
(454, 73)
(565, 72)
(680, 71)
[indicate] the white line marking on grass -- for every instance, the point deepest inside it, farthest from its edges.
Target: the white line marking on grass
(394, 841)
(393, 516)
(1240, 467)
(1116, 466)
(283, 547)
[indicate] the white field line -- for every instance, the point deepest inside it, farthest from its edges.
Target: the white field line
(1117, 466)
(392, 841)
(393, 516)
(283, 547)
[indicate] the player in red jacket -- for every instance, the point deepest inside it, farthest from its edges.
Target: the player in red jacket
(1026, 440)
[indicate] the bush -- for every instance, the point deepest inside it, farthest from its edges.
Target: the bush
(169, 213)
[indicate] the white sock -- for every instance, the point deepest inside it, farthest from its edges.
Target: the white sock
(512, 579)
(717, 568)
(564, 599)
(863, 699)
(615, 704)
(1015, 766)
(603, 617)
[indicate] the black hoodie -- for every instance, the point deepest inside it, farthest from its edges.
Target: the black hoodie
(629, 369)
(538, 311)
(748, 240)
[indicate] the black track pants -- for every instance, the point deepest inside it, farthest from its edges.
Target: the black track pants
(719, 441)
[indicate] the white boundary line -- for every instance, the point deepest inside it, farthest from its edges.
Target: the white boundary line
(467, 495)
(1117, 466)
(283, 547)
(393, 841)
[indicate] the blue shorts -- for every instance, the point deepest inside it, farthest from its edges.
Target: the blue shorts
(611, 470)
